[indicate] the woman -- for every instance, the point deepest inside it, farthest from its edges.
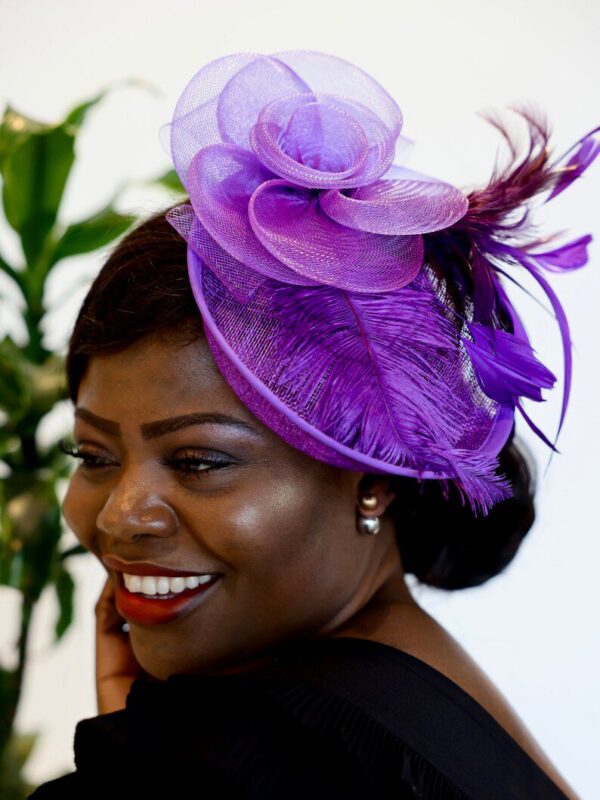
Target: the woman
(272, 647)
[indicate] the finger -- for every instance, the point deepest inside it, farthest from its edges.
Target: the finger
(108, 619)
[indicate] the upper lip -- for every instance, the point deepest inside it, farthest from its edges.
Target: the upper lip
(149, 568)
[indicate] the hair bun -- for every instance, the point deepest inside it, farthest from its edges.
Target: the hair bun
(444, 545)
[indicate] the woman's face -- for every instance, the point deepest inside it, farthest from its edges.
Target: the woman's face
(278, 526)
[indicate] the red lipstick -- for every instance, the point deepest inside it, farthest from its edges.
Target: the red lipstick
(143, 610)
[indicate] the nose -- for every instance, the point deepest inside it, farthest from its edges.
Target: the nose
(132, 511)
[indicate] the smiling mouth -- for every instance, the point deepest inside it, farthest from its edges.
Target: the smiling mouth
(206, 581)
(157, 609)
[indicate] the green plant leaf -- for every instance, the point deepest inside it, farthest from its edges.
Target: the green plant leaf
(168, 180)
(65, 590)
(36, 160)
(14, 274)
(92, 233)
(8, 442)
(76, 550)
(35, 174)
(46, 382)
(76, 117)
(19, 746)
(12, 566)
(15, 128)
(15, 392)
(32, 525)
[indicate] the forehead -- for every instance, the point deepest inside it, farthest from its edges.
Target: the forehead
(157, 375)
(154, 380)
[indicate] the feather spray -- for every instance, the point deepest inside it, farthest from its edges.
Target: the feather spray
(495, 235)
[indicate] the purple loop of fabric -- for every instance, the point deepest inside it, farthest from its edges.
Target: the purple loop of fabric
(256, 86)
(394, 207)
(195, 122)
(222, 179)
(241, 282)
(291, 225)
(326, 73)
(322, 142)
(311, 143)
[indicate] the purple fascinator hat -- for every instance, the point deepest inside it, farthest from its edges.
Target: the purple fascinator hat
(354, 305)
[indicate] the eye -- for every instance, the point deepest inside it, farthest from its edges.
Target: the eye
(87, 459)
(193, 465)
(188, 464)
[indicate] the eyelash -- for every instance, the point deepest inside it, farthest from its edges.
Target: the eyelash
(91, 461)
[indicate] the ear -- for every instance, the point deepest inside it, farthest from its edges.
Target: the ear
(378, 486)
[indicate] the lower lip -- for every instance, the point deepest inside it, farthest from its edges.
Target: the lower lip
(142, 610)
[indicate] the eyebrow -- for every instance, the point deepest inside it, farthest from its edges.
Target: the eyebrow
(152, 430)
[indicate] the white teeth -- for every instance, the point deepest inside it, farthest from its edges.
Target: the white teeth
(133, 583)
(177, 584)
(161, 584)
(149, 585)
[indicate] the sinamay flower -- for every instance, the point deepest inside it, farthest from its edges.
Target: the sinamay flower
(355, 305)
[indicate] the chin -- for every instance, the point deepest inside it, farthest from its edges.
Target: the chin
(152, 655)
(160, 659)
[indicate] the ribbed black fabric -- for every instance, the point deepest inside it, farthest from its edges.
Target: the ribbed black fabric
(329, 718)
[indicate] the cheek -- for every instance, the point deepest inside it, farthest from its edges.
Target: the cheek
(258, 523)
(284, 532)
(80, 509)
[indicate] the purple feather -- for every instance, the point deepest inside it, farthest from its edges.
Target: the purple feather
(496, 233)
(506, 366)
(586, 150)
(570, 256)
(371, 373)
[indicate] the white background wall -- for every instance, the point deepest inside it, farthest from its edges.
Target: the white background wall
(535, 628)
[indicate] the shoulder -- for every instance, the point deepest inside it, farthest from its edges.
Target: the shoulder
(65, 787)
(343, 718)
(410, 629)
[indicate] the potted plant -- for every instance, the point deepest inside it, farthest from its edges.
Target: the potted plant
(36, 160)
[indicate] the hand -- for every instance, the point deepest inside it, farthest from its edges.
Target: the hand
(116, 665)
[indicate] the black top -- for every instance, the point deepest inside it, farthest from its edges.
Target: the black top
(337, 717)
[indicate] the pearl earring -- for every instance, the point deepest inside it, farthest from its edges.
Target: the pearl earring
(369, 525)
